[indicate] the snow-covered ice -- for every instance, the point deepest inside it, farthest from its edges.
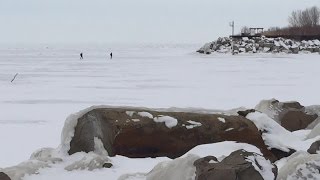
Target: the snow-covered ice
(52, 83)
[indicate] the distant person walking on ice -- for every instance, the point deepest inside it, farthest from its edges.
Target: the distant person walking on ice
(111, 55)
(81, 56)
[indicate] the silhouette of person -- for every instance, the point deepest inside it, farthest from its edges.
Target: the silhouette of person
(111, 55)
(81, 56)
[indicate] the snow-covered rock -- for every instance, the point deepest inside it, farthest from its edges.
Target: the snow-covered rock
(291, 115)
(277, 137)
(240, 165)
(300, 166)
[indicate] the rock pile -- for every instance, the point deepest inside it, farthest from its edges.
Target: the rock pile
(260, 45)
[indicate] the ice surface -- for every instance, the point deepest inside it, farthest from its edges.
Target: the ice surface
(53, 82)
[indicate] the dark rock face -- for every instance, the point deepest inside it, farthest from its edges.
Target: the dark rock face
(314, 147)
(136, 136)
(234, 167)
(294, 117)
(246, 112)
(3, 176)
(281, 154)
(294, 120)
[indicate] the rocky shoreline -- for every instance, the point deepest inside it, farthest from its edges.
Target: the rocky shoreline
(260, 45)
(263, 142)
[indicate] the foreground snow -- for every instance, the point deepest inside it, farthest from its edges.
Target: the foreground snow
(127, 168)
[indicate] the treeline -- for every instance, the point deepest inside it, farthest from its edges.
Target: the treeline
(301, 23)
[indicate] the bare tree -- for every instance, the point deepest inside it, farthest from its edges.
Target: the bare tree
(294, 19)
(314, 13)
(307, 18)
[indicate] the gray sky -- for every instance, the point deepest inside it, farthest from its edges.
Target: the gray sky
(73, 21)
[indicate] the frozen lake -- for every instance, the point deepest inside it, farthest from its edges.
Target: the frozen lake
(53, 83)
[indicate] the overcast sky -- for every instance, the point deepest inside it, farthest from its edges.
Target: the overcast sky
(45, 21)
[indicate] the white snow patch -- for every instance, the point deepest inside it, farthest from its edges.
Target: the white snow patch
(275, 136)
(193, 124)
(135, 120)
(229, 129)
(222, 119)
(213, 161)
(170, 122)
(265, 168)
(222, 149)
(99, 147)
(145, 114)
(130, 113)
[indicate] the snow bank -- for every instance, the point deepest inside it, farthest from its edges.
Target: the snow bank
(182, 168)
(221, 149)
(275, 136)
(90, 161)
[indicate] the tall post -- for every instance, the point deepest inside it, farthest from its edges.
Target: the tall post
(232, 25)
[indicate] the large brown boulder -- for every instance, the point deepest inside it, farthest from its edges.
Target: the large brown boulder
(239, 165)
(3, 176)
(135, 132)
(294, 119)
(290, 115)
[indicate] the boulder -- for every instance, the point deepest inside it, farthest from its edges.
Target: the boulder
(314, 148)
(139, 133)
(290, 115)
(295, 50)
(3, 176)
(294, 120)
(239, 165)
(281, 154)
(300, 165)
